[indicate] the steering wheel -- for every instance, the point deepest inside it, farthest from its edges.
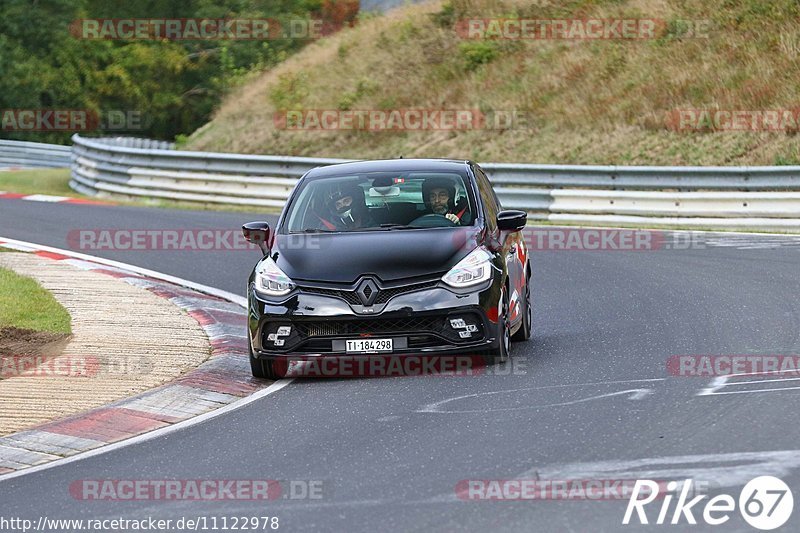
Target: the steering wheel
(432, 220)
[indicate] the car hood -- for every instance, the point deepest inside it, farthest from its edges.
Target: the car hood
(389, 255)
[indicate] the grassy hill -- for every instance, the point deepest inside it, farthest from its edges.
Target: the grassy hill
(587, 101)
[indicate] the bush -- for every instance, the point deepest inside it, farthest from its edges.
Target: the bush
(477, 53)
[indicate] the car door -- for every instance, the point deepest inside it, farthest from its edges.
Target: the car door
(512, 244)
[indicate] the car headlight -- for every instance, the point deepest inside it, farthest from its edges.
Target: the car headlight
(475, 268)
(271, 280)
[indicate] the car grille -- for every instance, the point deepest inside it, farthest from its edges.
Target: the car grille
(387, 325)
(384, 295)
(387, 294)
(423, 341)
(348, 296)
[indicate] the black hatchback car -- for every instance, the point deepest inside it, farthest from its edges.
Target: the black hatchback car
(398, 257)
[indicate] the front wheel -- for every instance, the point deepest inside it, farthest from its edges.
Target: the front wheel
(264, 369)
(524, 332)
(501, 355)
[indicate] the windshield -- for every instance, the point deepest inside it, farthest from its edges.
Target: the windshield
(381, 201)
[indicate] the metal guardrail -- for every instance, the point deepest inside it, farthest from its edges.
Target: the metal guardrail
(33, 155)
(761, 198)
(136, 142)
(107, 167)
(647, 178)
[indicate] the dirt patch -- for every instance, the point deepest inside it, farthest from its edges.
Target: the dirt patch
(43, 345)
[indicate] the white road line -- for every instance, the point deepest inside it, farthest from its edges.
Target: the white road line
(235, 298)
(275, 387)
(765, 381)
(780, 389)
(45, 198)
(721, 382)
(635, 394)
(724, 469)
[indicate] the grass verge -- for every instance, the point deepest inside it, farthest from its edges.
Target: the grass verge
(24, 304)
(55, 182)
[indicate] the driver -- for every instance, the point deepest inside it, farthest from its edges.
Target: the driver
(439, 196)
(348, 207)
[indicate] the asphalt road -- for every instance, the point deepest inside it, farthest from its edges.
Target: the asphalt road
(589, 397)
(60, 225)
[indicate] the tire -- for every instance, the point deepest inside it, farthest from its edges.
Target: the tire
(524, 332)
(263, 369)
(502, 354)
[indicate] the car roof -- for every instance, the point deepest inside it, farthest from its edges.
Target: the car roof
(390, 165)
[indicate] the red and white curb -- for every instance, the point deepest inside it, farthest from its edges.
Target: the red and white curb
(216, 386)
(50, 199)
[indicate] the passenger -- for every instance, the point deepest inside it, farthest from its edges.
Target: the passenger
(348, 208)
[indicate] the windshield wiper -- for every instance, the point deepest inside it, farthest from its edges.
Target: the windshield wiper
(318, 230)
(396, 226)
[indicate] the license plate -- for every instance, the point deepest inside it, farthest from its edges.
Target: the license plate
(369, 345)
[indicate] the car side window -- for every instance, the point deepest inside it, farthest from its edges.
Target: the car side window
(489, 184)
(496, 199)
(488, 198)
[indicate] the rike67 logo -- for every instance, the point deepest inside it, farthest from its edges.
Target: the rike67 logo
(765, 503)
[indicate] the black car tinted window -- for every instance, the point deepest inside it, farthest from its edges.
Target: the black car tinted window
(380, 200)
(488, 198)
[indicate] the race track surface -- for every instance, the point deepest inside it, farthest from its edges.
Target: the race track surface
(589, 397)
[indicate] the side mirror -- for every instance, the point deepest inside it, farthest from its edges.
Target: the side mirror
(257, 233)
(511, 220)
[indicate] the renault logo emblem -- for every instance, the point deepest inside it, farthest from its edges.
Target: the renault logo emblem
(367, 292)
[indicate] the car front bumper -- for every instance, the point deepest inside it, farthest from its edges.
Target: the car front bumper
(307, 325)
